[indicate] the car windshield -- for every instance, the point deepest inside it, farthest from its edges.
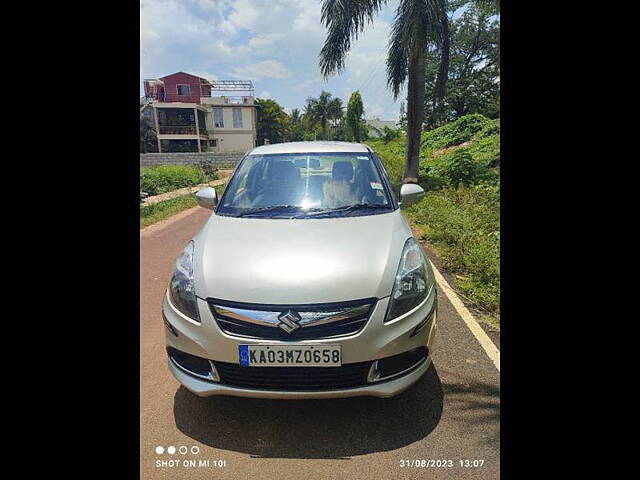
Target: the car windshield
(306, 185)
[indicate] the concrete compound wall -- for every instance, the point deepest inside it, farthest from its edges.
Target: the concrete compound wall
(220, 160)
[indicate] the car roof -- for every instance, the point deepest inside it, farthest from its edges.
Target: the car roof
(310, 147)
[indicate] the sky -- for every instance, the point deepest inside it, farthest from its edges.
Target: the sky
(274, 43)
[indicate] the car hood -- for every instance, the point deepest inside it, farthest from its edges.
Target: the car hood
(298, 261)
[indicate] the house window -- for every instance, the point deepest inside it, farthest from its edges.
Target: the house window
(217, 118)
(237, 118)
(184, 90)
(213, 143)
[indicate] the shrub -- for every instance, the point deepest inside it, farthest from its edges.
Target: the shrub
(166, 178)
(389, 134)
(461, 168)
(492, 127)
(459, 131)
(463, 224)
(209, 169)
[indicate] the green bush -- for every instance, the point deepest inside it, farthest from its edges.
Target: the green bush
(209, 169)
(463, 224)
(461, 168)
(492, 127)
(459, 131)
(166, 178)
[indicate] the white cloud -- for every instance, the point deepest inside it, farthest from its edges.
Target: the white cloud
(265, 44)
(264, 69)
(265, 94)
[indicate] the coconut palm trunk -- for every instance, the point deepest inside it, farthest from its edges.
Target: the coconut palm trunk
(415, 115)
(417, 23)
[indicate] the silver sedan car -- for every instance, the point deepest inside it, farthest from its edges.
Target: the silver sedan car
(305, 281)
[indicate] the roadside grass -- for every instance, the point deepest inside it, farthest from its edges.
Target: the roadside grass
(459, 216)
(167, 178)
(150, 214)
(463, 228)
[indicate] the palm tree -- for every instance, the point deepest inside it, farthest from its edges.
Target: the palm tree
(320, 110)
(417, 24)
(336, 112)
(295, 116)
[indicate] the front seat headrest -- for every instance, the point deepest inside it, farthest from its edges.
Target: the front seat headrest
(284, 172)
(342, 171)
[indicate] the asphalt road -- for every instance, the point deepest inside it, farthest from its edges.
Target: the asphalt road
(451, 414)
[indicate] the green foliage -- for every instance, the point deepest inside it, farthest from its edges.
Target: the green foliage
(297, 126)
(148, 139)
(166, 178)
(454, 133)
(209, 169)
(322, 111)
(402, 120)
(461, 168)
(355, 112)
(273, 122)
(473, 83)
(150, 214)
(492, 127)
(310, 136)
(484, 149)
(389, 134)
(386, 134)
(463, 224)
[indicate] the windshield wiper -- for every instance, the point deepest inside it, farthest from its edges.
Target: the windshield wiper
(270, 208)
(348, 209)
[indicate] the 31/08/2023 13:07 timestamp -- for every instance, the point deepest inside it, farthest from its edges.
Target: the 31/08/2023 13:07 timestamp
(423, 463)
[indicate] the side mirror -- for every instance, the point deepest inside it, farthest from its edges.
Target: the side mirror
(207, 198)
(410, 193)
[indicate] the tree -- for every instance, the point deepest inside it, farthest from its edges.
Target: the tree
(417, 25)
(336, 112)
(295, 116)
(148, 137)
(355, 111)
(273, 122)
(297, 125)
(322, 110)
(402, 120)
(473, 84)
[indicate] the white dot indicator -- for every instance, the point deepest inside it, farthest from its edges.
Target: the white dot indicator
(159, 450)
(183, 450)
(195, 450)
(171, 450)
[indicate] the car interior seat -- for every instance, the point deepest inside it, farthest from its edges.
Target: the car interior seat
(283, 186)
(339, 190)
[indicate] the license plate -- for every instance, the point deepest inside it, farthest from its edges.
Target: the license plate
(290, 355)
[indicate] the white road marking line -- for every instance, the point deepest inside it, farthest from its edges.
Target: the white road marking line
(477, 331)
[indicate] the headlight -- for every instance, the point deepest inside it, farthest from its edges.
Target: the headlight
(413, 282)
(181, 288)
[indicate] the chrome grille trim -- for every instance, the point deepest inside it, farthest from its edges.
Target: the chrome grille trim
(270, 318)
(316, 320)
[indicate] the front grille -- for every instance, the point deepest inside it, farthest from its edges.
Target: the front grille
(350, 375)
(308, 321)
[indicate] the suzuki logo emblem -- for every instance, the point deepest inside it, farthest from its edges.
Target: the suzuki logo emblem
(289, 321)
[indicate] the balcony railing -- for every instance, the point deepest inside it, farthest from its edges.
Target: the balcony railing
(181, 130)
(224, 100)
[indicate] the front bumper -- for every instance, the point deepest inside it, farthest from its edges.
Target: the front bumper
(384, 389)
(375, 341)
